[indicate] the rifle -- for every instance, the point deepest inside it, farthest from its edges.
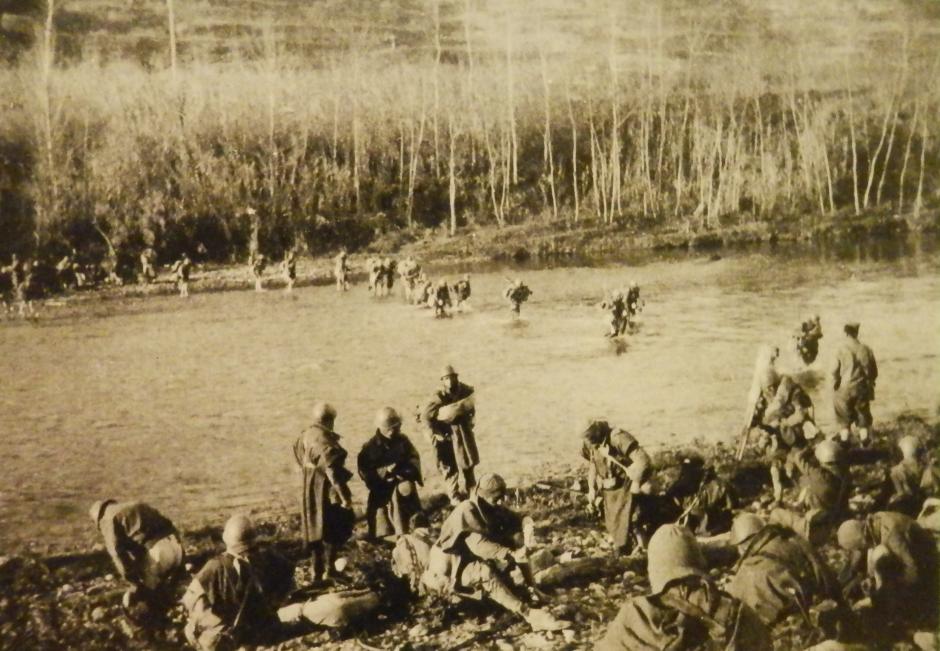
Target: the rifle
(748, 424)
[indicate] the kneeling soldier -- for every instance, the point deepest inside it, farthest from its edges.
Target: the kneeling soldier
(480, 543)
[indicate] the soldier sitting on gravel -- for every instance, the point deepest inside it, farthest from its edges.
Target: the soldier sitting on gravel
(145, 548)
(480, 544)
(684, 610)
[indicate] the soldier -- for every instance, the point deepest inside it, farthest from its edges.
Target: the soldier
(517, 293)
(388, 275)
(21, 278)
(409, 270)
(853, 384)
(257, 262)
(441, 297)
(289, 269)
(147, 271)
(787, 422)
(390, 467)
(480, 543)
(181, 270)
(146, 550)
(411, 552)
(906, 479)
(326, 513)
(619, 467)
(341, 270)
(779, 573)
(616, 304)
(232, 601)
(634, 304)
(684, 610)
(894, 561)
(374, 265)
(421, 296)
(807, 339)
(707, 501)
(825, 485)
(461, 290)
(449, 415)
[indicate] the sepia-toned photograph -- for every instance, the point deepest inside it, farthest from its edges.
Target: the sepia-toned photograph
(419, 325)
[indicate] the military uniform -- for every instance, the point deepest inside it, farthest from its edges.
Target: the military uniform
(853, 381)
(616, 304)
(454, 441)
(144, 546)
(340, 271)
(780, 574)
(807, 339)
(900, 559)
(390, 468)
(326, 517)
(613, 449)
(685, 610)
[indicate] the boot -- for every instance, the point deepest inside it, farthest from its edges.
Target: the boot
(541, 619)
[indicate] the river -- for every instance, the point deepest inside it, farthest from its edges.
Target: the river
(192, 405)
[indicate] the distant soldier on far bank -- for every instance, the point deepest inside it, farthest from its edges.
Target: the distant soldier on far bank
(853, 384)
(449, 415)
(289, 269)
(341, 270)
(148, 272)
(146, 550)
(257, 262)
(181, 269)
(517, 293)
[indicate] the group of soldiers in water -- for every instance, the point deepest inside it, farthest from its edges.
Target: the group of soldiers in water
(482, 549)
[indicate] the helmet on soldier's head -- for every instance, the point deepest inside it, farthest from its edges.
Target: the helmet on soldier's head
(239, 534)
(910, 446)
(491, 487)
(851, 535)
(448, 371)
(324, 414)
(633, 284)
(595, 431)
(386, 420)
(829, 452)
(744, 526)
(673, 553)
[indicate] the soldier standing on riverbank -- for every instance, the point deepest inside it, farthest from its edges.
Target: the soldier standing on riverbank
(147, 271)
(853, 385)
(181, 270)
(20, 273)
(449, 415)
(391, 469)
(326, 513)
(146, 550)
(618, 467)
(341, 270)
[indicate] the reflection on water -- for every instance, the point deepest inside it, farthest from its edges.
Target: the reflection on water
(194, 404)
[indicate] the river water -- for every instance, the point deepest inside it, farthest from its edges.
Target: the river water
(193, 404)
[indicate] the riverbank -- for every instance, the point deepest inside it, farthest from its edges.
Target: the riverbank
(534, 242)
(72, 601)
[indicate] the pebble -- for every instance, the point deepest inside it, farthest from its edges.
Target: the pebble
(569, 635)
(418, 630)
(567, 557)
(98, 614)
(503, 645)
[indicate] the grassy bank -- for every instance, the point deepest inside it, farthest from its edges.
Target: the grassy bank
(681, 118)
(73, 601)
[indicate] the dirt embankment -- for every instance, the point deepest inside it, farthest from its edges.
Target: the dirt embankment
(73, 601)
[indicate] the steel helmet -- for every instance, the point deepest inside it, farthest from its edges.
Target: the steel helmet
(491, 487)
(851, 535)
(595, 430)
(386, 420)
(829, 452)
(324, 414)
(673, 553)
(97, 509)
(239, 534)
(744, 526)
(910, 446)
(448, 371)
